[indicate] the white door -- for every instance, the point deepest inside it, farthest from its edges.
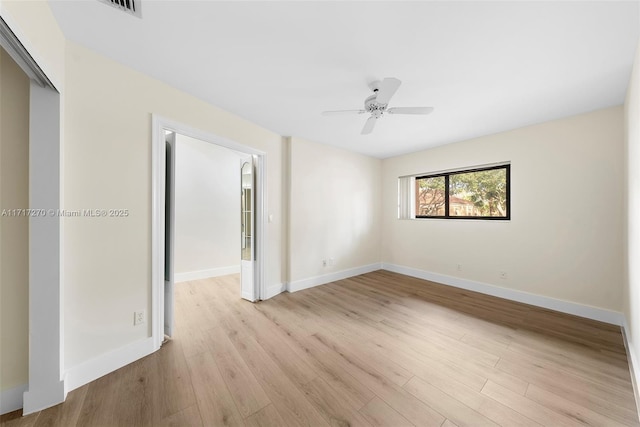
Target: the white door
(169, 235)
(247, 212)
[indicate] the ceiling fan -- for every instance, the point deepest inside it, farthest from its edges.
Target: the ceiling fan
(376, 104)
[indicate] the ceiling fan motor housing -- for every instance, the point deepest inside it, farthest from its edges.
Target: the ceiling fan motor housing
(371, 106)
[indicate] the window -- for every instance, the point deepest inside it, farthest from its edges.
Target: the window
(481, 193)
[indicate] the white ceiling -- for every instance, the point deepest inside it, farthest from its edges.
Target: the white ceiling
(485, 66)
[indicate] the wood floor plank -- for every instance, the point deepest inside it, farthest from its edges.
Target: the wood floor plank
(352, 348)
(215, 403)
(216, 341)
(16, 419)
(487, 342)
(343, 304)
(241, 383)
(399, 399)
(612, 382)
(379, 414)
(491, 409)
(289, 401)
(281, 348)
(527, 407)
(344, 384)
(448, 406)
(139, 394)
(376, 349)
(176, 390)
(542, 345)
(335, 410)
(186, 417)
(193, 342)
(576, 389)
(424, 366)
(581, 413)
(266, 417)
(100, 403)
(455, 348)
(388, 308)
(243, 386)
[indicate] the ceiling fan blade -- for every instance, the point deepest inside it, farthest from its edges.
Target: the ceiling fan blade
(340, 112)
(388, 88)
(369, 125)
(410, 110)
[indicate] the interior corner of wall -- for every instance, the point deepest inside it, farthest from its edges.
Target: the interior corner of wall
(41, 37)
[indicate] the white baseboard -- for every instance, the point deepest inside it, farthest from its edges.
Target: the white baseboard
(12, 399)
(205, 274)
(299, 285)
(95, 368)
(632, 360)
(274, 290)
(590, 312)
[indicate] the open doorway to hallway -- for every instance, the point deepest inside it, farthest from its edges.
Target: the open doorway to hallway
(211, 209)
(208, 215)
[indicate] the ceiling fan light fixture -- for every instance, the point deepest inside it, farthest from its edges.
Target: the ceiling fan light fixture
(376, 104)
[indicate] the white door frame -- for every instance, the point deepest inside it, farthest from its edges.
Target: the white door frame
(158, 170)
(248, 289)
(169, 241)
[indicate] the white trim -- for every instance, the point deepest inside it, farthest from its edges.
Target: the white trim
(590, 312)
(159, 123)
(299, 285)
(632, 360)
(260, 222)
(158, 171)
(205, 274)
(273, 290)
(46, 354)
(106, 363)
(11, 399)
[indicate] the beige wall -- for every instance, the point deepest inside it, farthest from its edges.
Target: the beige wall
(334, 209)
(207, 207)
(14, 231)
(34, 24)
(632, 254)
(107, 157)
(565, 237)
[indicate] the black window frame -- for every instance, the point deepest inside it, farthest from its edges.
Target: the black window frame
(446, 176)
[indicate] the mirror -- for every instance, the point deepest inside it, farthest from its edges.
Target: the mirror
(246, 211)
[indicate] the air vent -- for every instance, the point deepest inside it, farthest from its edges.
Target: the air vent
(130, 6)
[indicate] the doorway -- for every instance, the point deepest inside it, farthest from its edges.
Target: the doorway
(250, 234)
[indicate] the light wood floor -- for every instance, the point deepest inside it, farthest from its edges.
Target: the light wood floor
(375, 350)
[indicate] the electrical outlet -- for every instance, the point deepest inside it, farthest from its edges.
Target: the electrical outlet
(459, 267)
(138, 317)
(324, 262)
(332, 262)
(503, 275)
